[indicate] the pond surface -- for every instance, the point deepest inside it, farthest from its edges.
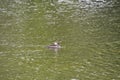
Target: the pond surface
(88, 31)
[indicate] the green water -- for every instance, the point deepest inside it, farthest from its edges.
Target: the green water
(89, 33)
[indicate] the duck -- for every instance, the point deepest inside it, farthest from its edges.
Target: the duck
(55, 45)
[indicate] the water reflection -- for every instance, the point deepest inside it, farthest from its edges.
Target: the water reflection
(54, 49)
(88, 28)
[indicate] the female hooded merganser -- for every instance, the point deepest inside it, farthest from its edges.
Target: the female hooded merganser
(55, 45)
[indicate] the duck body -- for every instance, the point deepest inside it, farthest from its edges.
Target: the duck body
(55, 45)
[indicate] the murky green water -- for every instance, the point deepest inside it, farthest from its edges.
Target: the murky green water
(89, 32)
